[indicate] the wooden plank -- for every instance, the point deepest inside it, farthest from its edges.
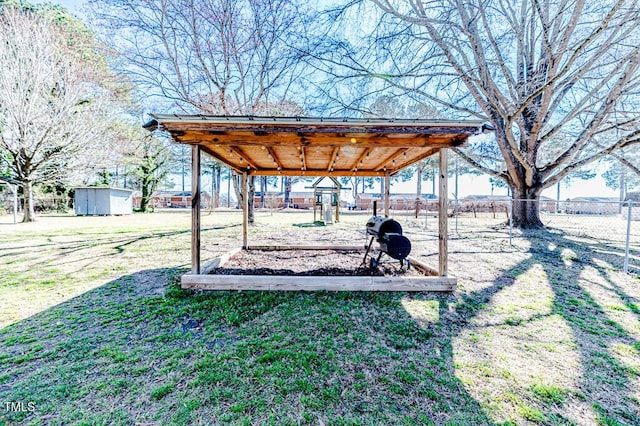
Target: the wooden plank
(307, 283)
(219, 262)
(360, 159)
(244, 158)
(418, 264)
(320, 140)
(315, 172)
(415, 159)
(443, 215)
(334, 154)
(385, 163)
(362, 130)
(305, 247)
(245, 212)
(195, 209)
(220, 158)
(303, 158)
(274, 157)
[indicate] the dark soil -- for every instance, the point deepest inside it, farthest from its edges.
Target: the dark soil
(310, 263)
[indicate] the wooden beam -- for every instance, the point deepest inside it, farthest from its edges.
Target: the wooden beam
(390, 158)
(334, 154)
(443, 232)
(220, 158)
(362, 156)
(312, 283)
(305, 247)
(274, 157)
(320, 140)
(426, 269)
(245, 211)
(387, 193)
(195, 209)
(257, 130)
(315, 172)
(238, 151)
(415, 159)
(219, 262)
(303, 158)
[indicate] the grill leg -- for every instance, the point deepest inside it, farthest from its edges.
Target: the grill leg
(366, 253)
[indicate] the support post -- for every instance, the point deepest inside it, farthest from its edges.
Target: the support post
(245, 211)
(387, 191)
(195, 209)
(443, 235)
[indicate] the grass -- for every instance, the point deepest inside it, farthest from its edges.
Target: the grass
(531, 337)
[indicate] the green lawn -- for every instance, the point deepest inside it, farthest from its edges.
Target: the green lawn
(95, 330)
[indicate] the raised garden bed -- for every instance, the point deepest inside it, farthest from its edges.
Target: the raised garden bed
(311, 269)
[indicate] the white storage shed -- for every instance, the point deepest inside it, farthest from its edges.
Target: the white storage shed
(96, 201)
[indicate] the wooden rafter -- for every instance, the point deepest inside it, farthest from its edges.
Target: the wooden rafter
(274, 157)
(361, 158)
(303, 158)
(414, 160)
(312, 146)
(238, 151)
(334, 154)
(390, 158)
(220, 158)
(314, 172)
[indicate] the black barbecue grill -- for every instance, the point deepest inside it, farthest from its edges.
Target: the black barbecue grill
(388, 233)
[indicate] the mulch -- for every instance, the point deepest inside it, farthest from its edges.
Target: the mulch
(310, 263)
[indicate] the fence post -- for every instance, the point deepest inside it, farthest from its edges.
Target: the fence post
(626, 251)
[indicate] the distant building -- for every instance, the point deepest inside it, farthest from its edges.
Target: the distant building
(100, 201)
(592, 205)
(172, 199)
(397, 201)
(275, 200)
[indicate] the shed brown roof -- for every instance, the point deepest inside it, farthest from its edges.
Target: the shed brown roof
(315, 146)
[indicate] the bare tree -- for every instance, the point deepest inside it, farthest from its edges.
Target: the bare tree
(52, 109)
(208, 56)
(557, 79)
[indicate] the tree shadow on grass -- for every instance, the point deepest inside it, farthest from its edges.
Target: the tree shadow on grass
(140, 350)
(575, 332)
(124, 353)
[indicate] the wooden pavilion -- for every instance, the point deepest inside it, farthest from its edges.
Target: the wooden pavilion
(297, 146)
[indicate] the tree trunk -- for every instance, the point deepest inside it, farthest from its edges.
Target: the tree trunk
(263, 189)
(287, 190)
(237, 184)
(29, 211)
(146, 192)
(526, 208)
(216, 178)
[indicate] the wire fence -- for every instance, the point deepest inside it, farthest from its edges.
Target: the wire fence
(612, 225)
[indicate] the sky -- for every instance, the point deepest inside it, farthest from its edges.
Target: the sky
(467, 185)
(73, 5)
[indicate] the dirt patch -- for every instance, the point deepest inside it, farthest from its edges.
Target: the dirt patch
(309, 263)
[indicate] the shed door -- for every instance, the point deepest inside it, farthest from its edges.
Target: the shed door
(91, 201)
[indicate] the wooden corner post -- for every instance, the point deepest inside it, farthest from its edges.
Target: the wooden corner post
(245, 211)
(443, 233)
(195, 209)
(387, 192)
